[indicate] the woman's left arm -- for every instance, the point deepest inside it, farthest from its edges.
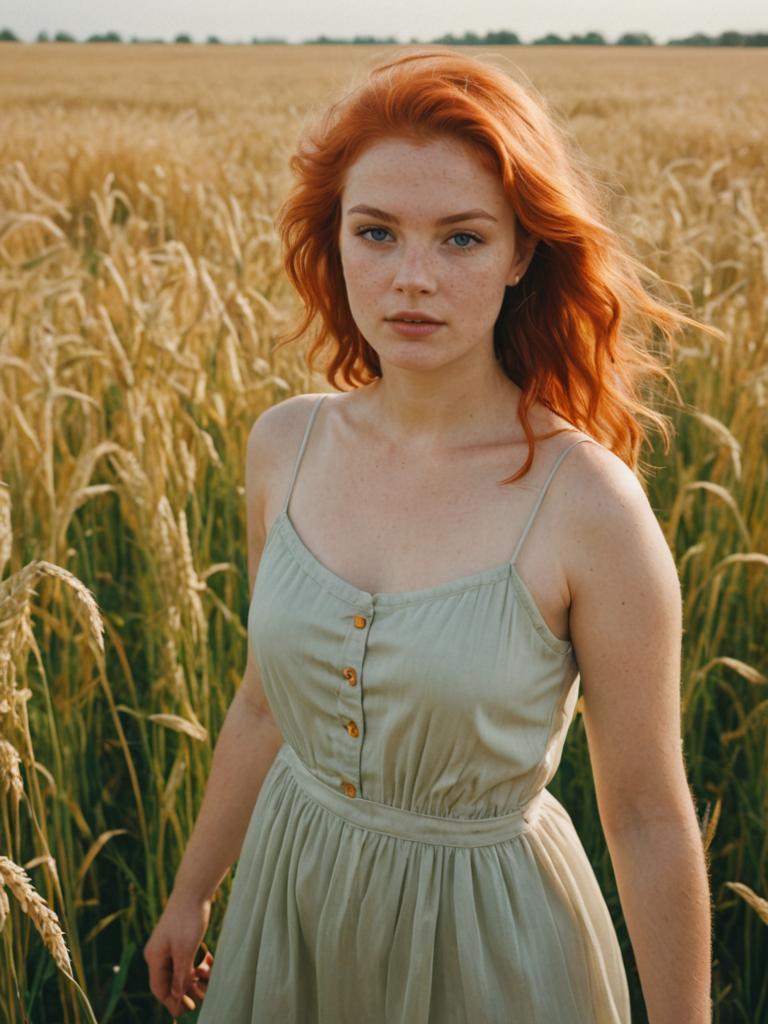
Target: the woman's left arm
(626, 630)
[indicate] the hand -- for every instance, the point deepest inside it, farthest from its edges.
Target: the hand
(170, 952)
(201, 975)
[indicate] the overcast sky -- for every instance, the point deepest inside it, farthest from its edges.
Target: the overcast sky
(295, 20)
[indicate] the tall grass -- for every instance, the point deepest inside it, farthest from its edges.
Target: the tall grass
(140, 297)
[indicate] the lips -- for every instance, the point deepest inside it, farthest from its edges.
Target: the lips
(405, 314)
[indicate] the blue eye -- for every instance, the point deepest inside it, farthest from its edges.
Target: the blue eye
(465, 234)
(366, 230)
(457, 234)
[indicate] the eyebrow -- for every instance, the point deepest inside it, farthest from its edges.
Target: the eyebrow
(454, 218)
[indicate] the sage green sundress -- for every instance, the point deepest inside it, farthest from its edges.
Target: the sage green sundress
(404, 862)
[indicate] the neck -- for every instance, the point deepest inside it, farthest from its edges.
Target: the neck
(425, 413)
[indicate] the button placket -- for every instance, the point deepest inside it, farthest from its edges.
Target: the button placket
(350, 703)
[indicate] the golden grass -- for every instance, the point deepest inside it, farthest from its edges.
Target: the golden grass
(17, 881)
(140, 297)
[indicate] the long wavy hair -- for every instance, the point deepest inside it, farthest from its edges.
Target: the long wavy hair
(576, 332)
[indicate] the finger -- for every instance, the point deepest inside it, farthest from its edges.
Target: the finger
(173, 1006)
(160, 983)
(199, 991)
(177, 1007)
(180, 976)
(202, 971)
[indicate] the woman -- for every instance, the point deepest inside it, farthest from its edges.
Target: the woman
(422, 619)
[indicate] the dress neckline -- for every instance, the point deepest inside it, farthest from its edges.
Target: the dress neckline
(283, 526)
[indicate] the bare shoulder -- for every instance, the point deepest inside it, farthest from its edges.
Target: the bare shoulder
(607, 516)
(597, 480)
(274, 427)
(604, 518)
(274, 436)
(273, 442)
(621, 574)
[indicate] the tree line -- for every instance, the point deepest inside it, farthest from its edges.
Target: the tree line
(497, 38)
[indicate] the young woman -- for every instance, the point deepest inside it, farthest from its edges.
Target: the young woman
(447, 548)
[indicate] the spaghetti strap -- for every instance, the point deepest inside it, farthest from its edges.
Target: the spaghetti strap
(311, 420)
(542, 493)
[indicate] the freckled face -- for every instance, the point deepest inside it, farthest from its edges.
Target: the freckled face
(456, 273)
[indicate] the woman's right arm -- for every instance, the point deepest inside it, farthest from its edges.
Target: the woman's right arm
(245, 749)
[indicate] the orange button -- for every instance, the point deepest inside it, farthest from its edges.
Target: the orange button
(350, 675)
(349, 789)
(360, 621)
(351, 728)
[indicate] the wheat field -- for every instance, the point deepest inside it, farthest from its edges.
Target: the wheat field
(141, 294)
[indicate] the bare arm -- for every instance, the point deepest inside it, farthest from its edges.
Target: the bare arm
(249, 738)
(245, 749)
(626, 627)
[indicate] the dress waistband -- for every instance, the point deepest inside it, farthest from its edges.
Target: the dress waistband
(404, 824)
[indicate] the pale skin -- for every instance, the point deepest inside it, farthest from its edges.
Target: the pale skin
(417, 455)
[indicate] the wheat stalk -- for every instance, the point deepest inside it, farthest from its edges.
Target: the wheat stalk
(32, 903)
(10, 776)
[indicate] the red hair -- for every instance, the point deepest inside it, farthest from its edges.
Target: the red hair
(572, 333)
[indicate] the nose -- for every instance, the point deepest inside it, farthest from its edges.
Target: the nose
(414, 270)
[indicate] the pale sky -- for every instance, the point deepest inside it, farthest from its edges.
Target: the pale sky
(296, 20)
